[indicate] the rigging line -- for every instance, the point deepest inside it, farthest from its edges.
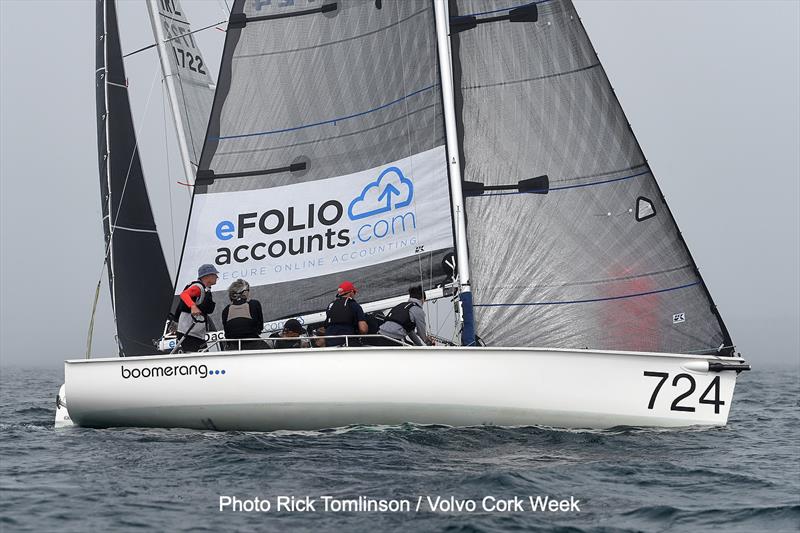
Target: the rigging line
(138, 230)
(592, 299)
(113, 224)
(563, 188)
(134, 152)
(330, 121)
(409, 146)
(499, 10)
(169, 176)
(149, 46)
(90, 334)
(188, 123)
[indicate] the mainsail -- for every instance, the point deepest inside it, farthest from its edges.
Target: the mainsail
(595, 259)
(324, 158)
(138, 275)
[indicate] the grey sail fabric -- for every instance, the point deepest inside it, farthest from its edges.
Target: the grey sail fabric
(195, 87)
(138, 275)
(324, 159)
(598, 261)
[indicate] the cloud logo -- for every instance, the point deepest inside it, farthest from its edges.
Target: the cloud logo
(391, 190)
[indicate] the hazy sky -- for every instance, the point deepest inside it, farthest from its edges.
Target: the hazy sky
(712, 90)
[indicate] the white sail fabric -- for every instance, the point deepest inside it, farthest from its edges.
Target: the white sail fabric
(325, 156)
(194, 84)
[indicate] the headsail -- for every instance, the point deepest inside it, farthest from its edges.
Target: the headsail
(324, 157)
(594, 259)
(187, 76)
(139, 279)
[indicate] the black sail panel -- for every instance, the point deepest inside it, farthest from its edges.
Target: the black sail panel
(139, 279)
(324, 158)
(589, 257)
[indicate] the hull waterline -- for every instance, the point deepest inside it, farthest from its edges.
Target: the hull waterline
(331, 387)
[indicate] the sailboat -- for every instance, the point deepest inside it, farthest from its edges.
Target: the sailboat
(475, 147)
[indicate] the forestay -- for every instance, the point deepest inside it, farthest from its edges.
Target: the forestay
(324, 157)
(595, 260)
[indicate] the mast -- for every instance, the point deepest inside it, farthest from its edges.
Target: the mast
(169, 77)
(454, 167)
(107, 161)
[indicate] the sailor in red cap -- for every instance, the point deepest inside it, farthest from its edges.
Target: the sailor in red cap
(344, 316)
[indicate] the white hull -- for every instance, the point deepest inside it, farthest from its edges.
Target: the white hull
(332, 387)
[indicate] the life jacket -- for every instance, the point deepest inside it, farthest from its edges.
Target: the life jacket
(238, 321)
(401, 314)
(205, 302)
(340, 313)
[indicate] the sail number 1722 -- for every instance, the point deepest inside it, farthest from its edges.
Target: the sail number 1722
(686, 385)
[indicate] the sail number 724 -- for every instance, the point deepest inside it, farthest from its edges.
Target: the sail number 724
(686, 385)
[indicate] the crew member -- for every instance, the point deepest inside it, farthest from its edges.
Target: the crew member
(406, 319)
(195, 304)
(243, 318)
(344, 316)
(289, 336)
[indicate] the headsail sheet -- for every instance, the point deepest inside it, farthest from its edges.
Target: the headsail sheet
(324, 159)
(598, 261)
(139, 279)
(194, 85)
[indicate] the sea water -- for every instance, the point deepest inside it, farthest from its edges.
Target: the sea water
(744, 477)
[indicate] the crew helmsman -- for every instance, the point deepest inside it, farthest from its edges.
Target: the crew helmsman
(406, 319)
(196, 303)
(344, 316)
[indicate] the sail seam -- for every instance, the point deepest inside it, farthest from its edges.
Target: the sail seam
(525, 80)
(324, 139)
(324, 122)
(597, 281)
(592, 299)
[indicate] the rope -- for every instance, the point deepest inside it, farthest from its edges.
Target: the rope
(91, 320)
(169, 176)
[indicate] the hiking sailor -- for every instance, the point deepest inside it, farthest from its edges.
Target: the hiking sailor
(242, 318)
(195, 304)
(344, 316)
(407, 318)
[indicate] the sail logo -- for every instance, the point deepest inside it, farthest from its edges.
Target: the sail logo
(392, 190)
(323, 226)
